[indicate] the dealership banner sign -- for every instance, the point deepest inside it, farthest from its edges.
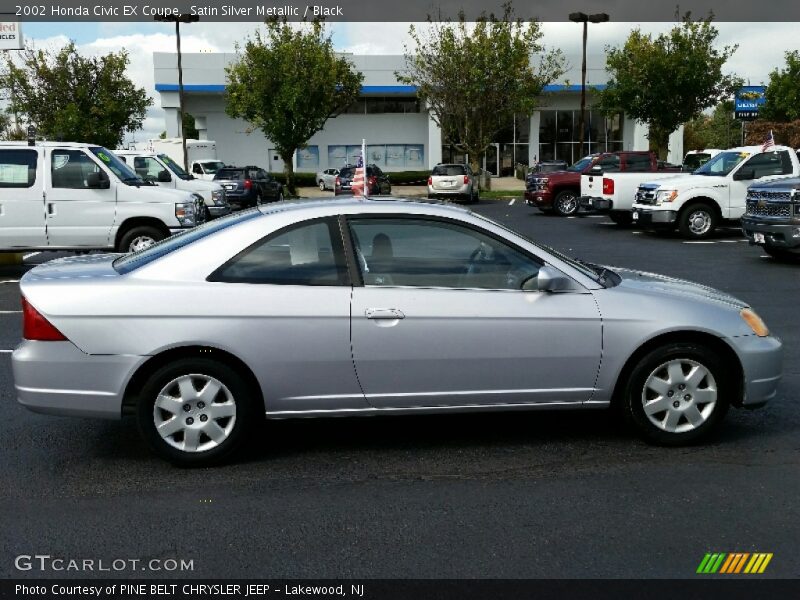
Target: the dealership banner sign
(10, 36)
(748, 101)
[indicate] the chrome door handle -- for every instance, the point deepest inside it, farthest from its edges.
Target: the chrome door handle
(384, 313)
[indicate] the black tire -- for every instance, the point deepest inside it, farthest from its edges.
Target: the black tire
(623, 219)
(782, 254)
(280, 196)
(133, 239)
(321, 185)
(634, 395)
(698, 221)
(246, 412)
(565, 203)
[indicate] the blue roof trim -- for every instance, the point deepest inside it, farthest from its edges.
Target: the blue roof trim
(557, 87)
(367, 89)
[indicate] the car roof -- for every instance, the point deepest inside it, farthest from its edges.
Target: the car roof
(48, 144)
(352, 204)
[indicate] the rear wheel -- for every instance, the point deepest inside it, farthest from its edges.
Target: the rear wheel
(139, 238)
(697, 221)
(677, 394)
(195, 412)
(321, 185)
(566, 203)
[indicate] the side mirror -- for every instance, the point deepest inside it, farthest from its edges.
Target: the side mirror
(744, 174)
(549, 279)
(98, 180)
(164, 176)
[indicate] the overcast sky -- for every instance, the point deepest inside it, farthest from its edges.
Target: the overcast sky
(761, 45)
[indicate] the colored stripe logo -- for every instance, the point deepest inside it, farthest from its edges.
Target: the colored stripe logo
(731, 563)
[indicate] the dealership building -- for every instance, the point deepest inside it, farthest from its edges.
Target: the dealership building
(398, 129)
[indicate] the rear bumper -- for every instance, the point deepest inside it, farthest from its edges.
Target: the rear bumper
(595, 204)
(463, 190)
(762, 363)
(780, 235)
(57, 378)
(646, 216)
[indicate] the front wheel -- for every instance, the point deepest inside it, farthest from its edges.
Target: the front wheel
(697, 221)
(140, 238)
(566, 203)
(321, 185)
(677, 394)
(195, 412)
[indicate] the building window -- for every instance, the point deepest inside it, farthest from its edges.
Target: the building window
(559, 133)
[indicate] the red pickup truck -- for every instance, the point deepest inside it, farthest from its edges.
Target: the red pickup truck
(559, 191)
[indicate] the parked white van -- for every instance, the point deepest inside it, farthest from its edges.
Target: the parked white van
(165, 172)
(68, 196)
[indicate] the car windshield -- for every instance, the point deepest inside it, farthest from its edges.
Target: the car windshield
(174, 167)
(581, 164)
(130, 262)
(117, 166)
(213, 166)
(723, 163)
(549, 167)
(594, 272)
(449, 170)
(234, 174)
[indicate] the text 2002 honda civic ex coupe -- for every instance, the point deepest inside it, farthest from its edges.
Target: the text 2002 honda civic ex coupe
(350, 307)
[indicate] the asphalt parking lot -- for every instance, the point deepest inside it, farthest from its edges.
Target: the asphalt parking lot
(474, 496)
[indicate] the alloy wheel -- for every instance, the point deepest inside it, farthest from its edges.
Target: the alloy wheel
(194, 413)
(699, 222)
(567, 204)
(140, 243)
(679, 395)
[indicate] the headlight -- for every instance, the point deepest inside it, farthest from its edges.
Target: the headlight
(541, 180)
(185, 213)
(754, 321)
(218, 197)
(666, 196)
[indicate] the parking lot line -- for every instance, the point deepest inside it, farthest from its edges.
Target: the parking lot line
(6, 351)
(10, 281)
(512, 202)
(699, 242)
(9, 312)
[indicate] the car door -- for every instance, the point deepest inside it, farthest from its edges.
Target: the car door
(441, 320)
(291, 317)
(78, 216)
(763, 166)
(22, 218)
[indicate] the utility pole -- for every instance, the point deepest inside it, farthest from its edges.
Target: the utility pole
(579, 17)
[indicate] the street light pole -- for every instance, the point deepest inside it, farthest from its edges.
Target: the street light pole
(579, 17)
(178, 19)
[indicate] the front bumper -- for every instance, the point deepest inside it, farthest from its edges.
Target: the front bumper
(648, 216)
(218, 211)
(594, 204)
(539, 198)
(775, 234)
(762, 363)
(57, 378)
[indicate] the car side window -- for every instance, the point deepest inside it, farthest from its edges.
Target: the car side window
(418, 252)
(770, 163)
(608, 163)
(70, 168)
(303, 254)
(197, 169)
(262, 174)
(147, 167)
(637, 162)
(18, 168)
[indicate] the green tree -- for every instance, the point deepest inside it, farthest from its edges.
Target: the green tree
(475, 78)
(668, 80)
(287, 83)
(783, 92)
(717, 130)
(73, 97)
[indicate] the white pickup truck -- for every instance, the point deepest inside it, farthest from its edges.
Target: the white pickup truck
(698, 202)
(165, 172)
(68, 196)
(614, 193)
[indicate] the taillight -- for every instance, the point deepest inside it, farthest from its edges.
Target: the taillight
(248, 184)
(36, 327)
(608, 185)
(430, 180)
(466, 179)
(373, 180)
(338, 181)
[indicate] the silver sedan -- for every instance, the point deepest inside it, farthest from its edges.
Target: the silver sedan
(348, 307)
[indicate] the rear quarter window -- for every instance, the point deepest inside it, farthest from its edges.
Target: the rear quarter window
(18, 168)
(234, 174)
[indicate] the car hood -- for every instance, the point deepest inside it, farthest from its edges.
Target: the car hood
(200, 185)
(688, 182)
(89, 266)
(670, 286)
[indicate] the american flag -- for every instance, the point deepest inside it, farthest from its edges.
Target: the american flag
(769, 143)
(357, 185)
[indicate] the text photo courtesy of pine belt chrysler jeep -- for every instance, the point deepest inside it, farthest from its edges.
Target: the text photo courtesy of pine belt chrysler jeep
(68, 196)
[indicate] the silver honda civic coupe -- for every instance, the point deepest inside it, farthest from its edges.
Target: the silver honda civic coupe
(373, 307)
